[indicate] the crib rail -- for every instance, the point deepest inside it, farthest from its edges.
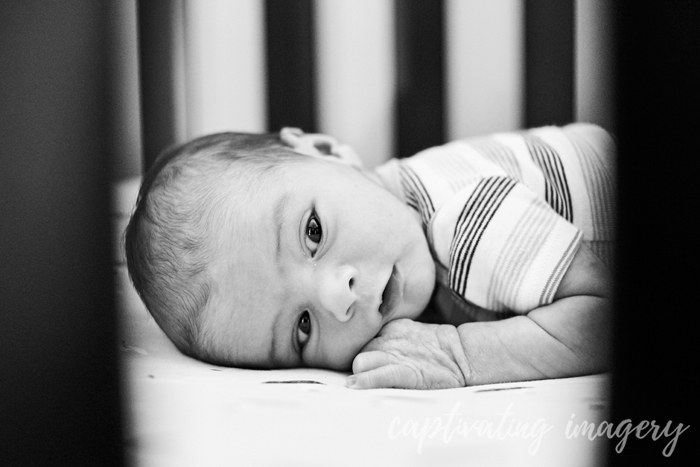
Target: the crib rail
(391, 77)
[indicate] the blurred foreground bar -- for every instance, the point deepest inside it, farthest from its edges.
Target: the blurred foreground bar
(59, 397)
(658, 50)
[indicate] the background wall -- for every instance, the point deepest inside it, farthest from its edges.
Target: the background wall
(485, 64)
(224, 65)
(220, 76)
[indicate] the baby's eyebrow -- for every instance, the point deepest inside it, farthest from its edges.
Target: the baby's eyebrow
(271, 357)
(276, 360)
(278, 221)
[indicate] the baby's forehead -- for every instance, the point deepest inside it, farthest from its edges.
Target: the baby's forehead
(243, 338)
(239, 319)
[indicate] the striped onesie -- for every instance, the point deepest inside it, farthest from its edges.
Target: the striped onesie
(505, 214)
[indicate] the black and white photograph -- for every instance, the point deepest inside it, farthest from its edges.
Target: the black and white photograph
(348, 232)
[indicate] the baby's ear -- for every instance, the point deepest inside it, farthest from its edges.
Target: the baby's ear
(321, 146)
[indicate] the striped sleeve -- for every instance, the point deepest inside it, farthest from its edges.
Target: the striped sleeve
(504, 247)
(505, 213)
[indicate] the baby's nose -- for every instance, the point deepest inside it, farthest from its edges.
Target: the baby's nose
(337, 292)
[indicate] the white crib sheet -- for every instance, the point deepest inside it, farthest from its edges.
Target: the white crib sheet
(181, 412)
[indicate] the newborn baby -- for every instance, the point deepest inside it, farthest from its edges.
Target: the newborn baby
(277, 251)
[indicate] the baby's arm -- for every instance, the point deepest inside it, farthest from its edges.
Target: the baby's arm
(569, 337)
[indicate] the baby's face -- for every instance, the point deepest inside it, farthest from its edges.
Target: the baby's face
(313, 269)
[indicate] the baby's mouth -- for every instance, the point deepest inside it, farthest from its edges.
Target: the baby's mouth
(390, 294)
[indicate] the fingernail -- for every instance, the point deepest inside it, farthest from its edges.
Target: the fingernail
(352, 379)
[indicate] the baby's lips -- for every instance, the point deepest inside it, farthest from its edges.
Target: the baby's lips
(390, 294)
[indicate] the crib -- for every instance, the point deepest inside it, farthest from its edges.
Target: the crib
(89, 378)
(186, 412)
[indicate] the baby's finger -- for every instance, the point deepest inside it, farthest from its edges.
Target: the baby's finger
(390, 376)
(367, 361)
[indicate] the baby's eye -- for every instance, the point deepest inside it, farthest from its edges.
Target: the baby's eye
(314, 233)
(304, 328)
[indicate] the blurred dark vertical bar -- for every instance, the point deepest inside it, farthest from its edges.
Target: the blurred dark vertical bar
(658, 55)
(59, 387)
(157, 29)
(420, 75)
(291, 64)
(549, 62)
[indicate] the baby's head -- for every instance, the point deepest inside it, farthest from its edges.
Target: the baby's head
(269, 251)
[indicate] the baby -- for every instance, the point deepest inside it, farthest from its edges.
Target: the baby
(278, 251)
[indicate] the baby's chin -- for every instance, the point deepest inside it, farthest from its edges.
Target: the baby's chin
(412, 311)
(419, 297)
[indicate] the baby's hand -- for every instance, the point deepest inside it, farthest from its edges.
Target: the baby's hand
(411, 355)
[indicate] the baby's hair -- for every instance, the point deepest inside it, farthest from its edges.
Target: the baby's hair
(167, 242)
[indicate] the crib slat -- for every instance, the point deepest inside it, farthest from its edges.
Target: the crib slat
(420, 75)
(161, 61)
(291, 70)
(549, 62)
